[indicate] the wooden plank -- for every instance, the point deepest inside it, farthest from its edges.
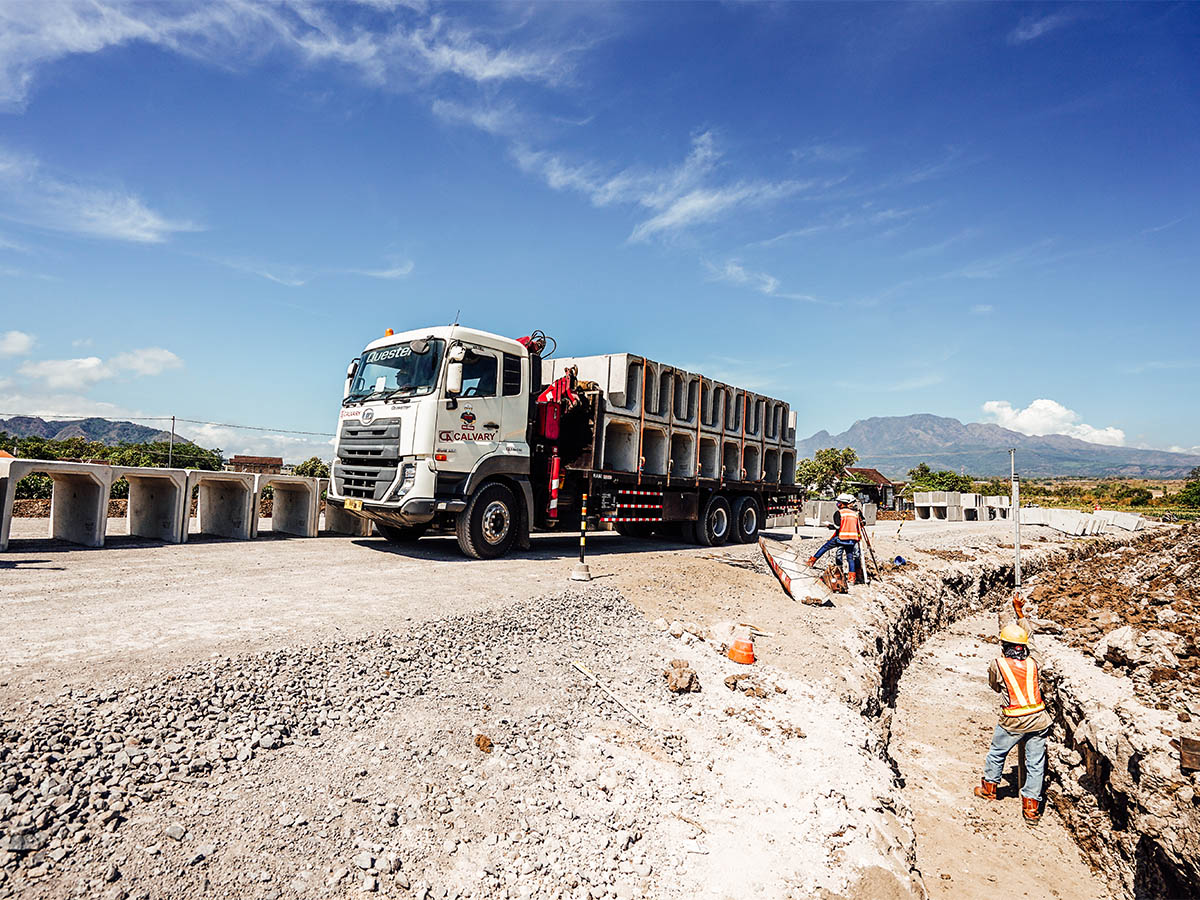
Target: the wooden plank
(1189, 754)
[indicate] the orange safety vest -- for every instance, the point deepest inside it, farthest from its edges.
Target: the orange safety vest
(1024, 692)
(849, 529)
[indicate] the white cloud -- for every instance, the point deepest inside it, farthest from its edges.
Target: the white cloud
(231, 441)
(15, 343)
(299, 276)
(1050, 417)
(982, 309)
(1032, 28)
(34, 196)
(500, 121)
(84, 372)
(386, 44)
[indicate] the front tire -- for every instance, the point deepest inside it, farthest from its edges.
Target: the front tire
(747, 517)
(713, 526)
(487, 528)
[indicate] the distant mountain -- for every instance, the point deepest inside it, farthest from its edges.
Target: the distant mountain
(93, 429)
(895, 444)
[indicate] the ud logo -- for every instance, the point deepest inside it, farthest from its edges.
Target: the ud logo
(368, 416)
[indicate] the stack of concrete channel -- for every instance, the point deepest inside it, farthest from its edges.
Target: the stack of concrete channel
(664, 421)
(159, 502)
(820, 512)
(1073, 522)
(953, 506)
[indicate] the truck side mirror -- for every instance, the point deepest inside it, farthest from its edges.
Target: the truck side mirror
(351, 370)
(454, 377)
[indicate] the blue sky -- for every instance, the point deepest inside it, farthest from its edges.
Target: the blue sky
(986, 211)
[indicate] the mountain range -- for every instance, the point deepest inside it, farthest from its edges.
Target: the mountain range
(93, 429)
(895, 444)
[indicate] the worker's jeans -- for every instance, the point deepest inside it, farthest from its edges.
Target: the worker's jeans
(850, 547)
(1004, 740)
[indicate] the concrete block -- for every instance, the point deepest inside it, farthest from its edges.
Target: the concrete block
(870, 513)
(924, 511)
(78, 504)
(225, 506)
(338, 520)
(295, 508)
(954, 514)
(969, 501)
(938, 498)
(158, 501)
(787, 463)
(923, 498)
(1127, 521)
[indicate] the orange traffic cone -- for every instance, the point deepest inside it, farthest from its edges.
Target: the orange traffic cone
(742, 651)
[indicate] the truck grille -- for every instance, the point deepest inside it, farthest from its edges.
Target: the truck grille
(367, 459)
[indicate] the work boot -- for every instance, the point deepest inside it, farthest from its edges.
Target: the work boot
(1029, 810)
(852, 578)
(812, 561)
(986, 789)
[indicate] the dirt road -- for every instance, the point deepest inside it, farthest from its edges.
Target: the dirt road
(966, 847)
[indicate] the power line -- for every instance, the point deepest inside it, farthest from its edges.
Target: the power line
(168, 419)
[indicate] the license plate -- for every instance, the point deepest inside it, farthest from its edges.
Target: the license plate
(353, 504)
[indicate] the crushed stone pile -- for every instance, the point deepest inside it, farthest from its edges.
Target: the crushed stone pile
(461, 758)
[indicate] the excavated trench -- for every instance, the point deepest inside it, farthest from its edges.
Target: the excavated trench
(1113, 785)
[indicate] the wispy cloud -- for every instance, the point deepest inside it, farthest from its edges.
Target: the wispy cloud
(941, 246)
(32, 195)
(84, 372)
(860, 217)
(1160, 365)
(1034, 27)
(913, 383)
(678, 197)
(299, 276)
(733, 272)
(827, 152)
(502, 121)
(982, 309)
(1157, 228)
(393, 45)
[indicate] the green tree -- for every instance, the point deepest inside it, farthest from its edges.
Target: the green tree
(925, 479)
(826, 471)
(1190, 494)
(313, 467)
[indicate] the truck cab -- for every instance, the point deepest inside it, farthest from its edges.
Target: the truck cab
(435, 425)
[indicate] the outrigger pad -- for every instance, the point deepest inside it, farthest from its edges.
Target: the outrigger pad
(797, 579)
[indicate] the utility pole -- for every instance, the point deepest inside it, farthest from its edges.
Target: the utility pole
(171, 449)
(1016, 514)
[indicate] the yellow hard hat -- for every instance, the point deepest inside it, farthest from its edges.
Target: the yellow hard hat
(1014, 634)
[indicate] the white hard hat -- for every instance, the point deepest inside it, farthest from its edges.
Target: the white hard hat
(846, 498)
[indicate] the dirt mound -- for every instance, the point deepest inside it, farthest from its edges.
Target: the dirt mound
(1135, 609)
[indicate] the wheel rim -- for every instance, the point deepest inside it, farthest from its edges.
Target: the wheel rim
(720, 522)
(750, 520)
(496, 520)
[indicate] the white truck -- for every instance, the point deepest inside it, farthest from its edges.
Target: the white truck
(453, 429)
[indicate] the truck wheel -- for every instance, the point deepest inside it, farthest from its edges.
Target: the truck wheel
(746, 519)
(713, 526)
(487, 528)
(401, 534)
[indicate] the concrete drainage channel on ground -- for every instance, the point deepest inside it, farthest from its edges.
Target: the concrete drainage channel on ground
(1114, 781)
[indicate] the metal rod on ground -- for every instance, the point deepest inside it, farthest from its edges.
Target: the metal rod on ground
(581, 572)
(871, 550)
(590, 676)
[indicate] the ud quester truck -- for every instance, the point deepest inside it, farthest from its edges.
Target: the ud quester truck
(450, 429)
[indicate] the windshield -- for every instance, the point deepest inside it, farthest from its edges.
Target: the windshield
(406, 369)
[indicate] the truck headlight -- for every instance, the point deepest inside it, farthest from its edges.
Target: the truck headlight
(408, 474)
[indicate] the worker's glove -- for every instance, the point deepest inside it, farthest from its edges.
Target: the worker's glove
(1019, 606)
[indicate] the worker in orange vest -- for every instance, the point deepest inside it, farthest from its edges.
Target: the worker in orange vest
(1016, 676)
(847, 532)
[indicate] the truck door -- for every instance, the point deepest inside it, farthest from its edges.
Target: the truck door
(469, 426)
